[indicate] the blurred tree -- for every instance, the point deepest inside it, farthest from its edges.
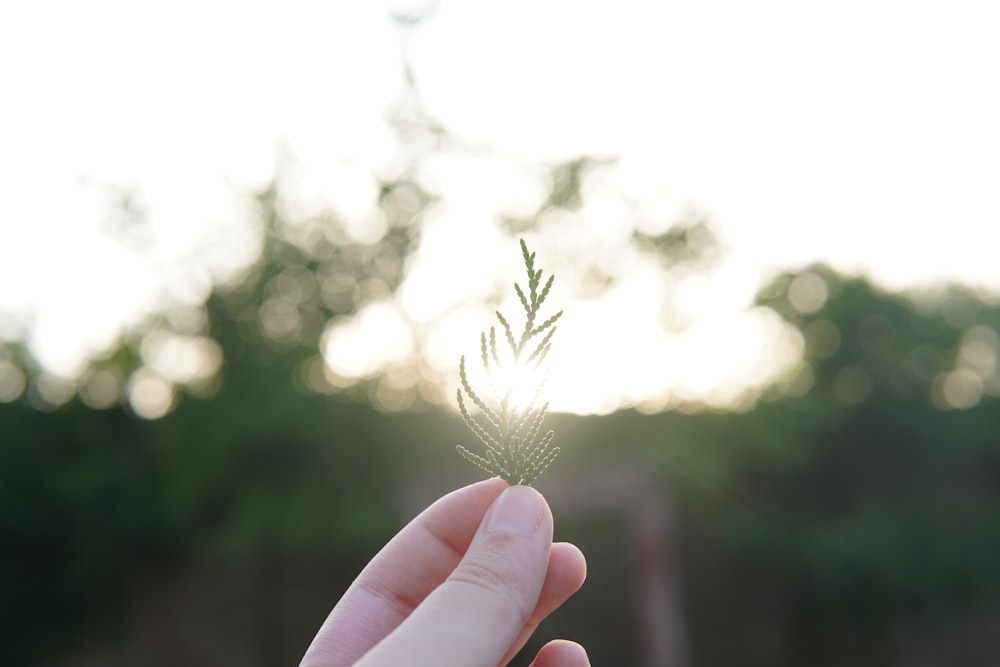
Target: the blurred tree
(900, 464)
(864, 492)
(864, 487)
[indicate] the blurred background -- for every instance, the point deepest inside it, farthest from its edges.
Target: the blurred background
(245, 244)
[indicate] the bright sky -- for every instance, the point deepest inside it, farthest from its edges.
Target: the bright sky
(860, 133)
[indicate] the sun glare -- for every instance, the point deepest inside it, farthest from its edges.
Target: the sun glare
(822, 171)
(519, 386)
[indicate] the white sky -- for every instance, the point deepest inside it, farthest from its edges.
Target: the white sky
(860, 133)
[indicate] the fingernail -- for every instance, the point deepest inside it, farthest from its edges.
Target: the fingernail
(516, 511)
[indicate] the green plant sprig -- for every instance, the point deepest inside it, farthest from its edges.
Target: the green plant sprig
(515, 449)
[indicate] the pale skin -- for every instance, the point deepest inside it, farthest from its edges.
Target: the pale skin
(464, 584)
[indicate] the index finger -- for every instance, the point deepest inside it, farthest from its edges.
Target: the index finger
(405, 571)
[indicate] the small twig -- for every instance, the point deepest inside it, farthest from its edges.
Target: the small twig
(515, 447)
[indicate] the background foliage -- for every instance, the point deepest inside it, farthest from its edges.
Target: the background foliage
(849, 514)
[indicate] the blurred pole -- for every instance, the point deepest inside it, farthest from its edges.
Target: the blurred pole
(657, 581)
(632, 485)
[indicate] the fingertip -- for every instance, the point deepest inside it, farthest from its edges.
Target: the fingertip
(572, 560)
(519, 510)
(561, 653)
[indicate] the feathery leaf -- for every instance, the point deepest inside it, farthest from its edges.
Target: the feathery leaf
(510, 432)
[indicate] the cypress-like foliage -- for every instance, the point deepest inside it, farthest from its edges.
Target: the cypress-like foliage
(515, 447)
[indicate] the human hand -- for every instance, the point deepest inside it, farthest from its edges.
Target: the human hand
(462, 585)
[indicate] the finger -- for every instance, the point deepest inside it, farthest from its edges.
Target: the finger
(561, 653)
(567, 572)
(403, 573)
(473, 618)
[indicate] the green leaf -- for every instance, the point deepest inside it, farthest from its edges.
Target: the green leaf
(509, 433)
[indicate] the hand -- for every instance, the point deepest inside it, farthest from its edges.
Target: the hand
(463, 585)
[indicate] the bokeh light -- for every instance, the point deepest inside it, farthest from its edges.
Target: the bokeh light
(102, 389)
(807, 293)
(181, 359)
(149, 395)
(359, 347)
(12, 381)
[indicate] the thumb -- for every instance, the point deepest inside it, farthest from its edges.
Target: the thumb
(473, 618)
